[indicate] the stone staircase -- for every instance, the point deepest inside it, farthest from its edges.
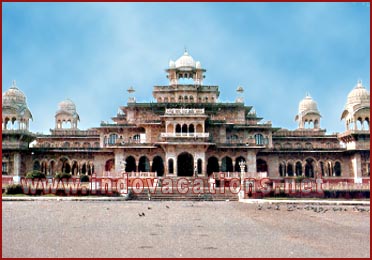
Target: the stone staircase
(202, 194)
(188, 196)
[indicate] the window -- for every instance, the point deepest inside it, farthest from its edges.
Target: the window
(4, 168)
(259, 139)
(112, 139)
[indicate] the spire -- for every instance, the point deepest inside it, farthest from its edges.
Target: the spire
(359, 84)
(14, 84)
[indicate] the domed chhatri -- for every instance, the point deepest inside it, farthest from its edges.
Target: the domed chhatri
(66, 115)
(185, 67)
(308, 114)
(15, 113)
(357, 108)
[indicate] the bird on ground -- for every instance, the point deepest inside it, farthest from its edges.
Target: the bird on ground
(167, 206)
(277, 207)
(259, 207)
(148, 208)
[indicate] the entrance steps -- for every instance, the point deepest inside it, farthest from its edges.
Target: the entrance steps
(175, 195)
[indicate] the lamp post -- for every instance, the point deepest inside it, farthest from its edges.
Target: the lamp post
(242, 169)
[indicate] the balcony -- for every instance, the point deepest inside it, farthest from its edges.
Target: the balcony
(184, 135)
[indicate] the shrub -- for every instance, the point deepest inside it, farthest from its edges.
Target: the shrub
(64, 175)
(14, 189)
(84, 178)
(35, 175)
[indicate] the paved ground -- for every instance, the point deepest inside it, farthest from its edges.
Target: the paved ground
(185, 229)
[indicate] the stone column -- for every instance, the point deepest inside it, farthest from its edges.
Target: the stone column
(17, 167)
(251, 161)
(357, 165)
(119, 158)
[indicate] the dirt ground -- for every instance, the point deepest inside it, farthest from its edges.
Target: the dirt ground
(181, 229)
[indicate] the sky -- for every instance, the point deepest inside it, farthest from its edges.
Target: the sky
(93, 52)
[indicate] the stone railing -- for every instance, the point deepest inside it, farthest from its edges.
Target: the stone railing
(227, 175)
(184, 135)
(142, 174)
(184, 111)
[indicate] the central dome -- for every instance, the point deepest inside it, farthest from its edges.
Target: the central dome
(185, 61)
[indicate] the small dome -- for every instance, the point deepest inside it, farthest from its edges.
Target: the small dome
(14, 103)
(308, 105)
(358, 96)
(198, 65)
(185, 61)
(67, 106)
(13, 96)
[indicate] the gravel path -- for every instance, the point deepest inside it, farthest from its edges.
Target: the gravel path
(179, 229)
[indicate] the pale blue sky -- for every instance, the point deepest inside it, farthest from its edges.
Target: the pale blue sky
(92, 52)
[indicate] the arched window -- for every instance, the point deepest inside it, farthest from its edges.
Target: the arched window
(112, 139)
(290, 169)
(191, 128)
(178, 128)
(298, 168)
(170, 166)
(337, 169)
(259, 139)
(184, 128)
(37, 166)
(136, 138)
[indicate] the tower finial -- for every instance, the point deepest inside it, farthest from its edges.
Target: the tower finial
(185, 50)
(14, 84)
(359, 84)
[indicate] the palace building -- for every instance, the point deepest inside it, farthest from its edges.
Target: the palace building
(187, 132)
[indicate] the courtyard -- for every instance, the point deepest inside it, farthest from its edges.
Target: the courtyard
(181, 229)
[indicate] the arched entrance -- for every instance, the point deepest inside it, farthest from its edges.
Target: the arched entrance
(212, 165)
(227, 165)
(144, 164)
(185, 165)
(261, 165)
(158, 166)
(130, 164)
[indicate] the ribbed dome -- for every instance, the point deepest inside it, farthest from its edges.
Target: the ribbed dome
(14, 103)
(358, 96)
(185, 61)
(307, 105)
(14, 97)
(67, 106)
